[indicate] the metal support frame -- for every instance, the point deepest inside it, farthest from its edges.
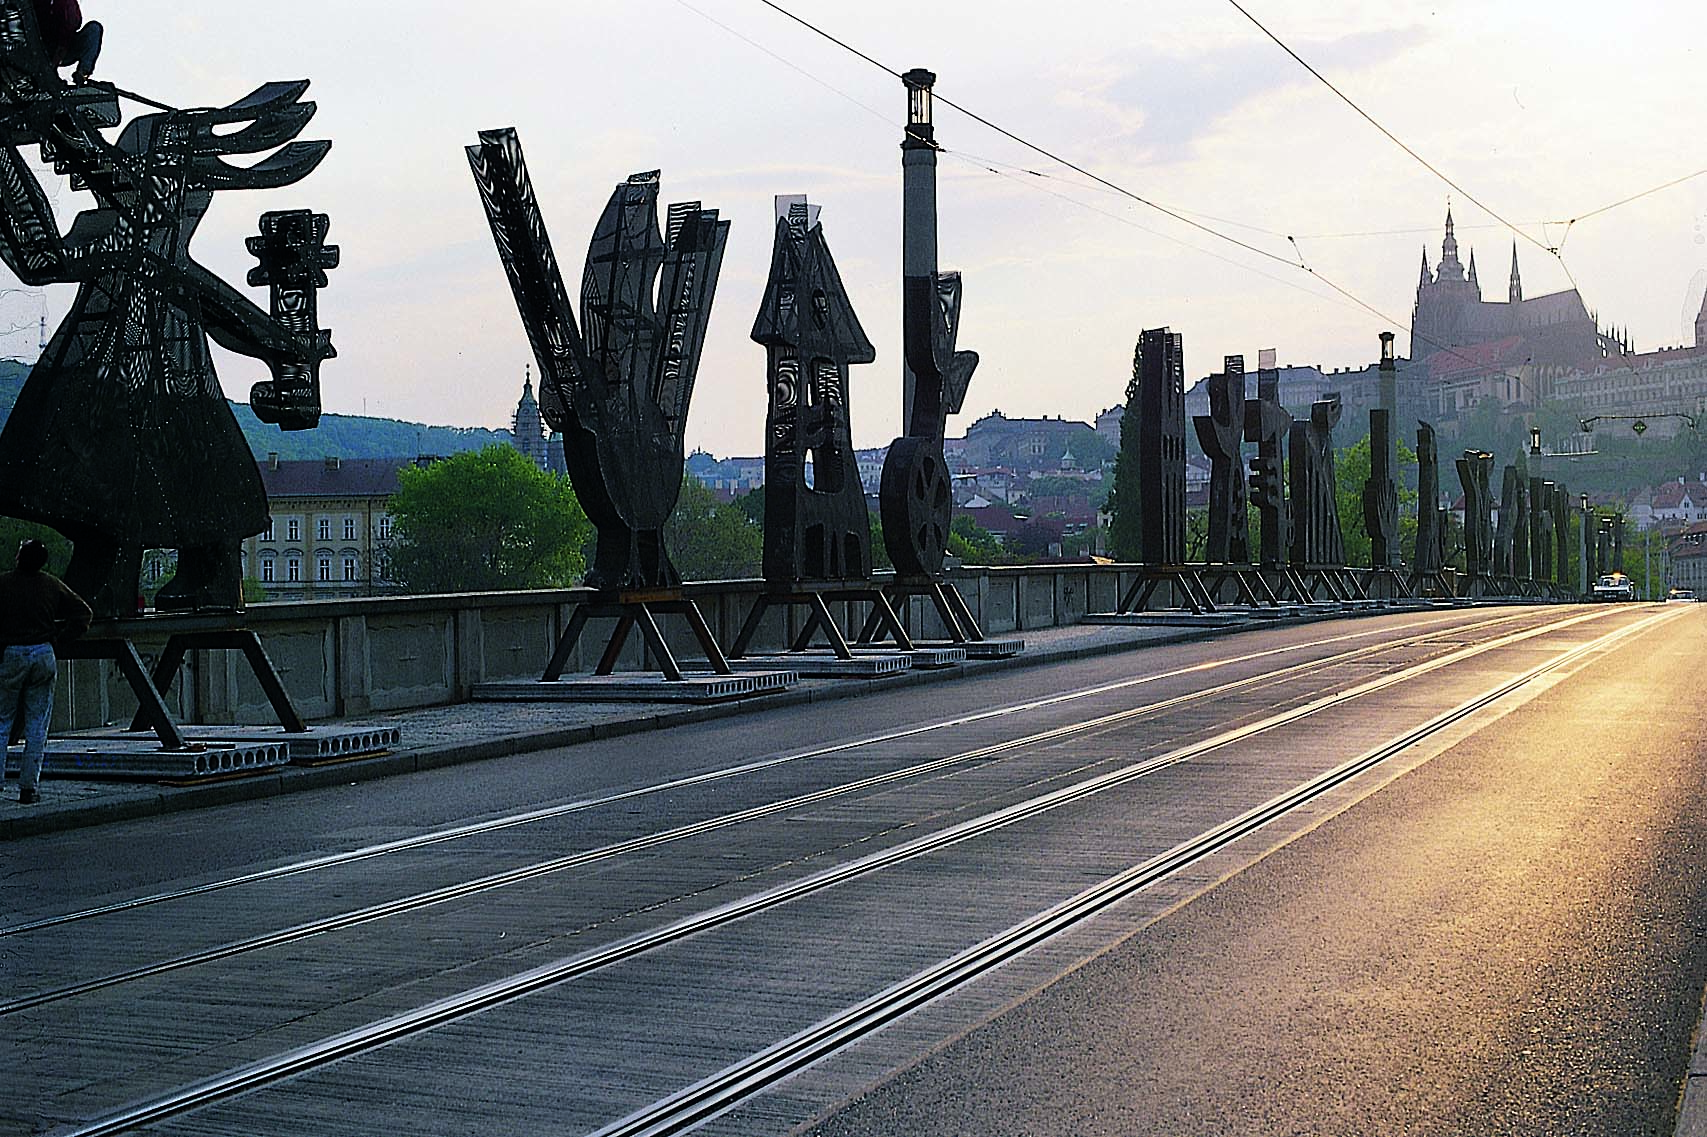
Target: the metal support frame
(151, 708)
(631, 609)
(883, 621)
(229, 639)
(950, 607)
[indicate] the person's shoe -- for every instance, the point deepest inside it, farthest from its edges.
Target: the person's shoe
(28, 796)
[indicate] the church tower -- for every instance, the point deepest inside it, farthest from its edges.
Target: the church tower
(1447, 308)
(529, 427)
(1514, 293)
(1701, 325)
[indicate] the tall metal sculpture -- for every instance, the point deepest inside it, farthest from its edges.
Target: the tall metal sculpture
(1562, 534)
(618, 383)
(915, 495)
(1474, 470)
(1268, 425)
(1430, 554)
(1316, 537)
(1381, 494)
(1540, 529)
(121, 439)
(1222, 434)
(1511, 537)
(817, 526)
(1161, 441)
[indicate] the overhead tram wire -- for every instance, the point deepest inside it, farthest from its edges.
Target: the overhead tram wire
(1122, 191)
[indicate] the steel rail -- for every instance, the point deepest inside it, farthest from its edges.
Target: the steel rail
(492, 882)
(729, 1087)
(492, 825)
(485, 997)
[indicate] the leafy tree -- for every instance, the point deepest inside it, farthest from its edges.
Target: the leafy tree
(14, 533)
(1351, 470)
(712, 540)
(972, 543)
(752, 506)
(1030, 540)
(879, 551)
(485, 520)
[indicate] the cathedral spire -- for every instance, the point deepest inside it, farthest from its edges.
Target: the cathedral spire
(1515, 292)
(1450, 268)
(1473, 273)
(1427, 279)
(1701, 325)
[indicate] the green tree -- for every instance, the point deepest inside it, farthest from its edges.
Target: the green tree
(14, 533)
(1351, 470)
(1125, 537)
(712, 540)
(486, 520)
(972, 543)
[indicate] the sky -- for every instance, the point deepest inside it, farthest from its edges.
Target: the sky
(1542, 110)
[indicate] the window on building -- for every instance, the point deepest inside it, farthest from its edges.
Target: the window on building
(267, 571)
(268, 535)
(324, 529)
(293, 530)
(325, 569)
(293, 570)
(384, 527)
(349, 529)
(349, 568)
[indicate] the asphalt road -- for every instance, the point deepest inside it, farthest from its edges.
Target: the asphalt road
(1509, 939)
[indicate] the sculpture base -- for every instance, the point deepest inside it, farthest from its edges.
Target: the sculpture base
(693, 687)
(142, 759)
(882, 624)
(1176, 619)
(631, 610)
(828, 665)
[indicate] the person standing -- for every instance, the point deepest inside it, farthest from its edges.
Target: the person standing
(36, 611)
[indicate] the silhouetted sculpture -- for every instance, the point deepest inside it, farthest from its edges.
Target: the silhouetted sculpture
(1316, 536)
(915, 495)
(1562, 533)
(620, 394)
(1161, 433)
(122, 439)
(1474, 470)
(1511, 537)
(1430, 554)
(1222, 433)
(816, 528)
(1540, 529)
(1268, 425)
(1380, 494)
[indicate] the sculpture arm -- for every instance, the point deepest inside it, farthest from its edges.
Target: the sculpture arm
(238, 324)
(30, 242)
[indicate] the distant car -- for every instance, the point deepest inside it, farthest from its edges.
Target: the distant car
(1680, 594)
(1614, 586)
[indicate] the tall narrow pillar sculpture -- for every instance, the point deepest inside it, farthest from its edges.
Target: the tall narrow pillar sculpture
(1161, 465)
(1562, 533)
(1474, 470)
(1431, 537)
(1268, 425)
(1381, 491)
(1540, 529)
(1221, 433)
(1316, 536)
(915, 498)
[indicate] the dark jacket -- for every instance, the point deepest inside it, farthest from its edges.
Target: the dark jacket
(37, 608)
(59, 21)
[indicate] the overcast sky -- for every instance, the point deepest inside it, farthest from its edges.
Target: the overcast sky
(1543, 109)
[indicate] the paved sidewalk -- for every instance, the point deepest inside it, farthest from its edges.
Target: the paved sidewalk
(433, 737)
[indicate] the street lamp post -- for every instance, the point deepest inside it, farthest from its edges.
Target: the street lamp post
(1582, 558)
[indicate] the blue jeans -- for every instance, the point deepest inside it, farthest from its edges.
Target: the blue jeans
(26, 685)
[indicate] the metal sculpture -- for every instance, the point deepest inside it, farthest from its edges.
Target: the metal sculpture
(1268, 425)
(817, 526)
(121, 438)
(1381, 494)
(1222, 433)
(1511, 537)
(915, 495)
(1316, 536)
(1562, 533)
(1430, 553)
(816, 523)
(617, 385)
(1540, 529)
(1474, 470)
(1161, 453)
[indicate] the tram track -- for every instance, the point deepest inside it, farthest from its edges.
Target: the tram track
(509, 821)
(742, 1080)
(462, 890)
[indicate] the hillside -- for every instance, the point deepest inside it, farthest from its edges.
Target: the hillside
(341, 436)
